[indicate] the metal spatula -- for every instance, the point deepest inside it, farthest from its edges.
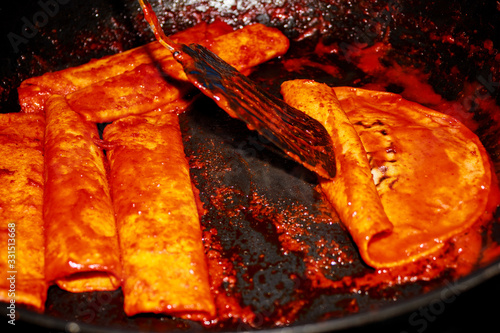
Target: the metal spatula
(299, 136)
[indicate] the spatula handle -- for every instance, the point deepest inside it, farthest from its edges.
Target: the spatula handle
(150, 16)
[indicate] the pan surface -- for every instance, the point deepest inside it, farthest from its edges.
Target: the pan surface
(272, 223)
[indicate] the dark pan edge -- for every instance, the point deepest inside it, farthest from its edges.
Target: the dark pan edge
(349, 322)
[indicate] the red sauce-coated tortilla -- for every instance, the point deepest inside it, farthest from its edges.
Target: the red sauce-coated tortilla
(82, 251)
(409, 178)
(34, 91)
(164, 264)
(21, 200)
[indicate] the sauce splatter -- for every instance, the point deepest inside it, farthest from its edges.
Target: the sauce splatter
(276, 249)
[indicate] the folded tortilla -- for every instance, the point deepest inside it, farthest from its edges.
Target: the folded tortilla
(148, 77)
(154, 85)
(164, 264)
(82, 252)
(137, 91)
(34, 91)
(250, 46)
(21, 199)
(408, 177)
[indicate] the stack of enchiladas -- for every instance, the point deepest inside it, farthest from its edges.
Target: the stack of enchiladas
(115, 211)
(99, 213)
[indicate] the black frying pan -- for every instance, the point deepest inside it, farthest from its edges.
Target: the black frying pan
(51, 35)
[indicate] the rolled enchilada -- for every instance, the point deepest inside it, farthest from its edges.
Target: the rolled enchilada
(164, 264)
(154, 85)
(82, 252)
(21, 199)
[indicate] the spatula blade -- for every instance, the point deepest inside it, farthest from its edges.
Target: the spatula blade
(299, 136)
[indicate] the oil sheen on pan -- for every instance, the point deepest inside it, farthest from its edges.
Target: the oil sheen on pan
(277, 252)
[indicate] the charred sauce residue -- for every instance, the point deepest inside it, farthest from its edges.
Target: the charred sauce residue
(277, 252)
